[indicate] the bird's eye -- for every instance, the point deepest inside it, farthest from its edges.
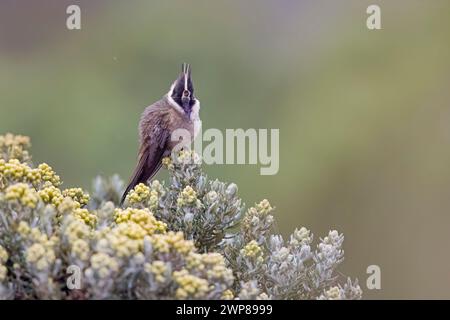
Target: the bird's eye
(186, 93)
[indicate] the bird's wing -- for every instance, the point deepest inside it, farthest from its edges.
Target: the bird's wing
(153, 149)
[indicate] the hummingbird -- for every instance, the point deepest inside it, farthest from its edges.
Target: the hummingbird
(178, 109)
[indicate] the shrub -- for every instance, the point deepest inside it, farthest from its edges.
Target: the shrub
(189, 239)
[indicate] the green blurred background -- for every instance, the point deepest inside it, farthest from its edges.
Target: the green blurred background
(363, 115)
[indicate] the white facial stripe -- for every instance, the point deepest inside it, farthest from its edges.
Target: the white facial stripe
(171, 90)
(171, 101)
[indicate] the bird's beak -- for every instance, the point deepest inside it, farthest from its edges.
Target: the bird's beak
(187, 84)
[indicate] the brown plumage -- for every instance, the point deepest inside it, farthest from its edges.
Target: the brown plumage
(157, 124)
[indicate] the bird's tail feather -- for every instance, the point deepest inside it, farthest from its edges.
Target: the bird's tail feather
(142, 173)
(138, 174)
(130, 186)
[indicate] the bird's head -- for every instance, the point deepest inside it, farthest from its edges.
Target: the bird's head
(181, 92)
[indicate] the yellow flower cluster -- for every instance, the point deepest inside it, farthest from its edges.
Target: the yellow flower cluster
(252, 250)
(21, 172)
(125, 240)
(227, 295)
(35, 235)
(48, 175)
(264, 207)
(157, 190)
(51, 195)
(14, 147)
(212, 263)
(103, 265)
(184, 156)
(142, 218)
(9, 140)
(158, 269)
(40, 256)
(67, 207)
(80, 249)
(140, 193)
(187, 156)
(127, 237)
(70, 207)
(167, 163)
(171, 241)
(71, 199)
(255, 215)
(213, 258)
(194, 260)
(74, 229)
(334, 293)
(131, 230)
(85, 215)
(190, 286)
(149, 196)
(16, 171)
(23, 194)
(187, 197)
(23, 229)
(77, 195)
